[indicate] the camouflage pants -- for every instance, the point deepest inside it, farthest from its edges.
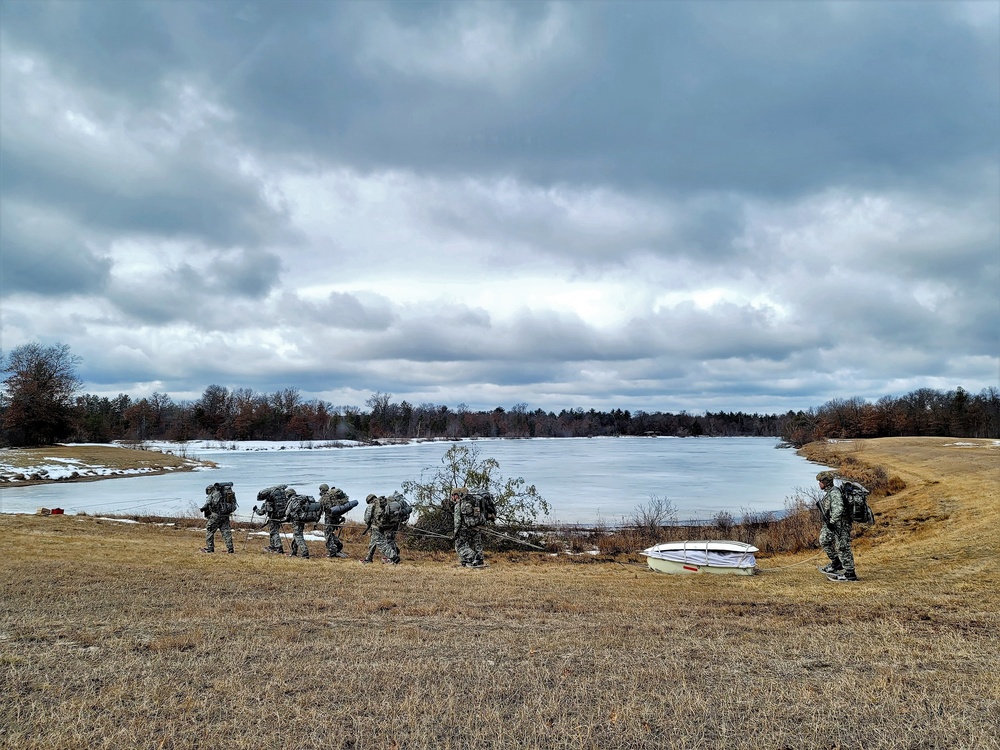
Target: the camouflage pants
(469, 545)
(298, 539)
(836, 542)
(217, 522)
(384, 542)
(333, 543)
(274, 530)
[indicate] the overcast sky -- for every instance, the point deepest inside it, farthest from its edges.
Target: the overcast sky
(754, 206)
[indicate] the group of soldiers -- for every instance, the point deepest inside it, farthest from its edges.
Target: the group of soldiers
(384, 517)
(282, 503)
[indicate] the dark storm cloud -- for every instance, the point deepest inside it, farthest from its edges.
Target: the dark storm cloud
(226, 294)
(178, 191)
(41, 255)
(246, 273)
(761, 97)
(758, 97)
(341, 311)
(123, 47)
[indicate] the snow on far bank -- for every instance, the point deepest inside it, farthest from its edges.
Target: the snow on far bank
(202, 447)
(69, 468)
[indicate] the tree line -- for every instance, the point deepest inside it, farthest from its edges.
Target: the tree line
(41, 404)
(924, 412)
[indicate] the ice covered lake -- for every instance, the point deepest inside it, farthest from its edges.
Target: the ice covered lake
(583, 479)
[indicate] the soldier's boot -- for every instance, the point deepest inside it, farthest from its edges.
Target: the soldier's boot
(206, 550)
(833, 567)
(848, 576)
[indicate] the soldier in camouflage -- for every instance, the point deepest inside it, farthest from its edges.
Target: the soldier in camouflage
(294, 513)
(469, 520)
(835, 536)
(332, 522)
(217, 521)
(273, 509)
(383, 533)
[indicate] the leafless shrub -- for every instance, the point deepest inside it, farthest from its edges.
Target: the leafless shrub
(653, 514)
(723, 523)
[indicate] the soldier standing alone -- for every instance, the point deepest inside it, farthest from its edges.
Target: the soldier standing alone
(835, 536)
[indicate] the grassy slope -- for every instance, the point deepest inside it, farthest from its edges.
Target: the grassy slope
(118, 636)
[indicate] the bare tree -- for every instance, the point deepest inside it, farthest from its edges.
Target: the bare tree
(654, 514)
(38, 393)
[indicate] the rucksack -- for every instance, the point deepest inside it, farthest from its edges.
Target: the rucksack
(397, 511)
(856, 502)
(226, 504)
(277, 497)
(486, 504)
(309, 510)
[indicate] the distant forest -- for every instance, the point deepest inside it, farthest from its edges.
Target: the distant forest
(39, 405)
(241, 414)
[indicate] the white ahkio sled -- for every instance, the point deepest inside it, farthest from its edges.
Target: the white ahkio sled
(723, 557)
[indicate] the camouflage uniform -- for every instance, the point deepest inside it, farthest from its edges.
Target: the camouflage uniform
(299, 547)
(329, 499)
(274, 518)
(468, 529)
(216, 521)
(383, 534)
(835, 536)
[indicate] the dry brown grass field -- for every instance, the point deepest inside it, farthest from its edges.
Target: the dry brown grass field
(121, 636)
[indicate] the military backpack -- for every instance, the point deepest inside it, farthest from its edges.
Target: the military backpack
(486, 505)
(306, 510)
(276, 497)
(856, 502)
(225, 504)
(396, 512)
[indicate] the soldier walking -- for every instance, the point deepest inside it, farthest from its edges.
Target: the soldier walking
(382, 521)
(835, 536)
(294, 511)
(273, 509)
(469, 520)
(220, 503)
(335, 504)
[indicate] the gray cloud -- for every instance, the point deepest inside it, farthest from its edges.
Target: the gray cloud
(42, 255)
(645, 205)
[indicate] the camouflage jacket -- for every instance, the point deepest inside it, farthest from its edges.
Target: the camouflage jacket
(832, 506)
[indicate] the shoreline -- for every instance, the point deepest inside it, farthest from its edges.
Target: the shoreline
(88, 462)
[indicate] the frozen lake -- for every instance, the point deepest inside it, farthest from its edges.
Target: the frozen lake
(583, 479)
